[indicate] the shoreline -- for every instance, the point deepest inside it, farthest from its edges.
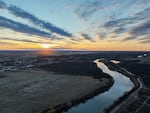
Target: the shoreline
(134, 80)
(66, 106)
(43, 92)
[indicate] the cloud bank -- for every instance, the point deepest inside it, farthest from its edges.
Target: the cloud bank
(87, 37)
(87, 9)
(46, 25)
(137, 26)
(16, 11)
(19, 27)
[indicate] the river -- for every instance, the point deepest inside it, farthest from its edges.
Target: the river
(98, 103)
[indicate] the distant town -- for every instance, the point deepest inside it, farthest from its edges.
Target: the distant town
(15, 63)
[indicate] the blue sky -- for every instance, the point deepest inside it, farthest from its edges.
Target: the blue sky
(77, 20)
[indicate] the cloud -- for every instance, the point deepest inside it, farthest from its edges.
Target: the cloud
(34, 20)
(6, 43)
(21, 40)
(119, 22)
(146, 41)
(100, 35)
(19, 27)
(2, 5)
(137, 25)
(142, 29)
(87, 9)
(140, 32)
(119, 30)
(128, 20)
(143, 14)
(129, 38)
(87, 37)
(18, 12)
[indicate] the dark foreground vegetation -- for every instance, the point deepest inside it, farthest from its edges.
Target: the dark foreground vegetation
(138, 105)
(78, 65)
(140, 69)
(76, 68)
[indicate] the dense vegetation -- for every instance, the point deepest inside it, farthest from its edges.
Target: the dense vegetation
(139, 69)
(75, 68)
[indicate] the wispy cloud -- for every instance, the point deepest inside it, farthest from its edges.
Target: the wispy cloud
(6, 43)
(128, 38)
(138, 25)
(146, 41)
(46, 25)
(19, 27)
(142, 29)
(101, 35)
(18, 12)
(128, 20)
(22, 40)
(2, 5)
(104, 21)
(87, 37)
(119, 30)
(87, 9)
(118, 22)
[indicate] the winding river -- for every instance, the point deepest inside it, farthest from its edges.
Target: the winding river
(98, 103)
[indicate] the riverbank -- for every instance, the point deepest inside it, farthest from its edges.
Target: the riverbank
(119, 69)
(41, 91)
(137, 102)
(136, 83)
(67, 105)
(98, 103)
(80, 68)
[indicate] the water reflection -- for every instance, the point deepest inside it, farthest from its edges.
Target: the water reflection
(104, 100)
(115, 61)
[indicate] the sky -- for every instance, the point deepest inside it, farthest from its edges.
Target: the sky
(122, 25)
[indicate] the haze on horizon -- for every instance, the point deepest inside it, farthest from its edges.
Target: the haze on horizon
(75, 24)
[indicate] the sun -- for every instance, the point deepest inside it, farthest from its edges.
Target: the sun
(46, 46)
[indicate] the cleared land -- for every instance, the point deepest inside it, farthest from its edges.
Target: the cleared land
(31, 91)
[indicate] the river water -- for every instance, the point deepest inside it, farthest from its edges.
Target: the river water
(98, 103)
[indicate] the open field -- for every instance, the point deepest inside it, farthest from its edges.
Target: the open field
(49, 87)
(36, 90)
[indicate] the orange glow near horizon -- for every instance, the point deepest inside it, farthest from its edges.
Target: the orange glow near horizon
(99, 45)
(44, 52)
(46, 44)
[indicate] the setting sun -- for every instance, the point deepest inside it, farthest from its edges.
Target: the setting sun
(45, 46)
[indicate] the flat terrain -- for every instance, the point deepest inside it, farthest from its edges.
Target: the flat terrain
(139, 65)
(65, 78)
(32, 91)
(139, 104)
